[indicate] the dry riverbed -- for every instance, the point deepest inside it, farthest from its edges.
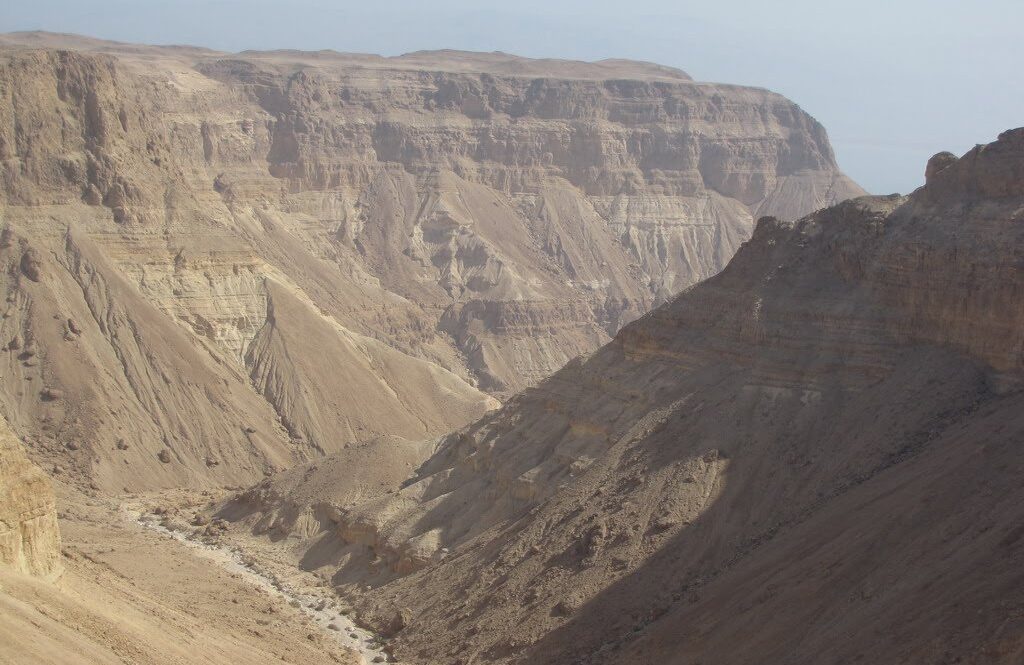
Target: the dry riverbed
(320, 604)
(130, 594)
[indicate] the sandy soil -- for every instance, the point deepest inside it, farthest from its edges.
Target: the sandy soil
(303, 593)
(129, 594)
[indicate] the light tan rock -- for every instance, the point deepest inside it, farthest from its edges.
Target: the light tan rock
(331, 248)
(491, 188)
(29, 536)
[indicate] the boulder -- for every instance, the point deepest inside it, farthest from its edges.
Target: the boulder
(939, 162)
(31, 264)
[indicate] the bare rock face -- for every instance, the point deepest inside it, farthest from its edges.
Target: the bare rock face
(444, 180)
(29, 537)
(836, 416)
(987, 172)
(336, 248)
(538, 215)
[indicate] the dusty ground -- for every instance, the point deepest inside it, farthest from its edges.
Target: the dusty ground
(129, 594)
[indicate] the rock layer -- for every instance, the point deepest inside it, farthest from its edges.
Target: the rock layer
(29, 537)
(494, 215)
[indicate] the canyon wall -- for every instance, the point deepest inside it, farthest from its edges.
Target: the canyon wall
(219, 265)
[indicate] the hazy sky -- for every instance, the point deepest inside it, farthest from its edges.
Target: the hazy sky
(893, 81)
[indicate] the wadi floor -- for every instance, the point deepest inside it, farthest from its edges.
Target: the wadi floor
(129, 594)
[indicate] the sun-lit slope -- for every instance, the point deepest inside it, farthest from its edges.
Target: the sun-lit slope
(336, 386)
(131, 311)
(495, 215)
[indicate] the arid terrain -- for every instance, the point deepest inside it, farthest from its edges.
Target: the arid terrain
(468, 358)
(218, 266)
(809, 458)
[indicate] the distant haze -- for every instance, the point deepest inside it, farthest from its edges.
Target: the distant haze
(893, 81)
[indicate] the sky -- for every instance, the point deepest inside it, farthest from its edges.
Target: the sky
(893, 81)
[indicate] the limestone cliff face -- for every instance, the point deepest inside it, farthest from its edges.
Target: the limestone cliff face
(29, 537)
(140, 334)
(803, 445)
(230, 263)
(479, 192)
(464, 184)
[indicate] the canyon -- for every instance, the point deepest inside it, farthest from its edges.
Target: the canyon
(219, 266)
(504, 360)
(812, 457)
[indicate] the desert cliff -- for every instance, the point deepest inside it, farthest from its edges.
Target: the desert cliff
(210, 255)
